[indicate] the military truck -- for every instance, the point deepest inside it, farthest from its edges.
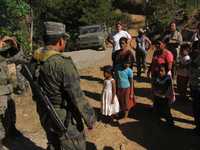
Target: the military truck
(92, 36)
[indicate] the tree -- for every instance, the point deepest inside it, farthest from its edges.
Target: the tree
(14, 20)
(73, 14)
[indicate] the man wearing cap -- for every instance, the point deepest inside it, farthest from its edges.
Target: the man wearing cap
(174, 39)
(8, 49)
(59, 78)
(142, 45)
(173, 42)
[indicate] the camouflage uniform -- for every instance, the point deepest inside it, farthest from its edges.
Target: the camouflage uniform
(195, 85)
(61, 83)
(21, 83)
(7, 105)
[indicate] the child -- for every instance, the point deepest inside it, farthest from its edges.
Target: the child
(162, 90)
(183, 71)
(110, 104)
(125, 88)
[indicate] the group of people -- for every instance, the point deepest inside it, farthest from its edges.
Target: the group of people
(118, 90)
(59, 82)
(173, 60)
(181, 61)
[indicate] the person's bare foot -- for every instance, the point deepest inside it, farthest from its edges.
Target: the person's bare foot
(123, 120)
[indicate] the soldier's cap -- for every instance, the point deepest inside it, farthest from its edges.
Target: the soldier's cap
(53, 29)
(107, 68)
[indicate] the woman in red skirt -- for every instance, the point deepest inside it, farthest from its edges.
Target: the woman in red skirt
(124, 77)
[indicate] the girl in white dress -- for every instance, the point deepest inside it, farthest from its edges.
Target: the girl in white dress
(110, 104)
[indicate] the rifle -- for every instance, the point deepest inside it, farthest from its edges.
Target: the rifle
(42, 97)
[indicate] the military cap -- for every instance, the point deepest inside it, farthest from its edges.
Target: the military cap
(55, 29)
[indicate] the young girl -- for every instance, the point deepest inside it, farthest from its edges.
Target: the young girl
(162, 91)
(110, 104)
(125, 87)
(183, 71)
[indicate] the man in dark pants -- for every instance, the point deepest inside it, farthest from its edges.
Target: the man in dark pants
(195, 83)
(59, 78)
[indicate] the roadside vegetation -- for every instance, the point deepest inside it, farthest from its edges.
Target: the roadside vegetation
(24, 18)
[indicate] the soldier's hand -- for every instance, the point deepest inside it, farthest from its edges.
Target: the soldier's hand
(9, 40)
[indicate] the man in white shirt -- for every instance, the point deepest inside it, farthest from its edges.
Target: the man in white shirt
(114, 38)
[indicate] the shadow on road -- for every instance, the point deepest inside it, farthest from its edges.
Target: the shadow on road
(143, 92)
(90, 146)
(93, 95)
(21, 143)
(154, 136)
(91, 78)
(184, 106)
(108, 148)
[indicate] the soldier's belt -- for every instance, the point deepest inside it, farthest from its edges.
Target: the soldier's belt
(6, 89)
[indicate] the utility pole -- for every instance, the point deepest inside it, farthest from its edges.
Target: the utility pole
(31, 26)
(145, 11)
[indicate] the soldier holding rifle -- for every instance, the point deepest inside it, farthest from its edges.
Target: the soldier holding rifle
(58, 78)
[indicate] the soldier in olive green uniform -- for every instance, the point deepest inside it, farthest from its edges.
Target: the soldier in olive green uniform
(7, 76)
(59, 78)
(195, 83)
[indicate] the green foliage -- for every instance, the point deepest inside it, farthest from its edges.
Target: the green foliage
(95, 12)
(165, 11)
(13, 20)
(73, 14)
